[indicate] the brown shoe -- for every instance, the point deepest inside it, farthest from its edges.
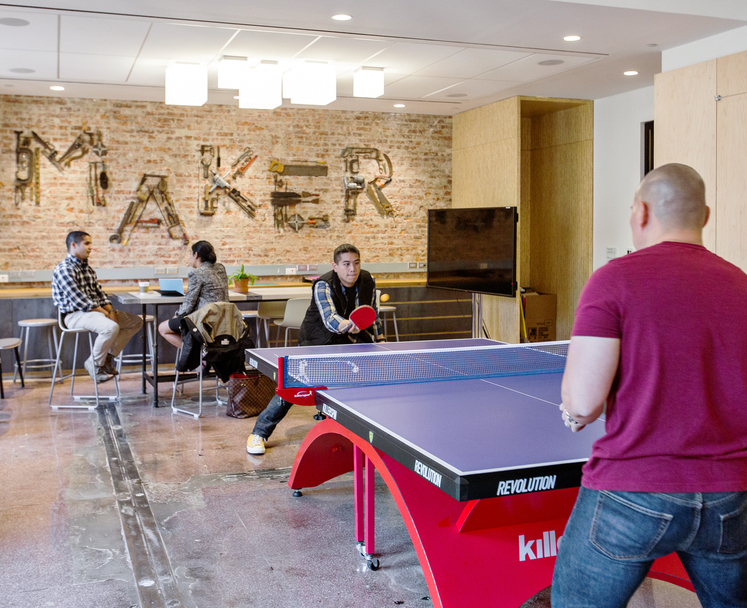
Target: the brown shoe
(96, 372)
(110, 365)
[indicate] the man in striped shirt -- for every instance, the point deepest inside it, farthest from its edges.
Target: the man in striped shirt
(84, 305)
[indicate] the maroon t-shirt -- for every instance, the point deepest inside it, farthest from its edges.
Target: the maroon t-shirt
(676, 416)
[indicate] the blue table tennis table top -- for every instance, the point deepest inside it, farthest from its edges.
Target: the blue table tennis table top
(473, 438)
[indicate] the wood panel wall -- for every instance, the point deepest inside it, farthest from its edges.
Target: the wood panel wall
(543, 155)
(560, 213)
(487, 173)
(685, 127)
(701, 120)
(731, 180)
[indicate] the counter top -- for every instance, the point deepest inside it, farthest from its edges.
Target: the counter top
(17, 293)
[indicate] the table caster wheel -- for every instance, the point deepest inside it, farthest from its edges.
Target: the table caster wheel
(373, 564)
(297, 493)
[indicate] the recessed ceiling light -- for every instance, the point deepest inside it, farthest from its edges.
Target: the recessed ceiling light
(457, 95)
(57, 88)
(630, 73)
(399, 105)
(235, 96)
(572, 38)
(341, 17)
(22, 70)
(13, 22)
(652, 44)
(551, 62)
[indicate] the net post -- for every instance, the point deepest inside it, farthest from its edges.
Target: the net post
(281, 372)
(297, 396)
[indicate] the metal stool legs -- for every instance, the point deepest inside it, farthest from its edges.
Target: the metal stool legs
(198, 413)
(383, 310)
(96, 397)
(138, 357)
(8, 343)
(26, 326)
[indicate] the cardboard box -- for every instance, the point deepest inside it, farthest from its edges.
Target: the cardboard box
(540, 310)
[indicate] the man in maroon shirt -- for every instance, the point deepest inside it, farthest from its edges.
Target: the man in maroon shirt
(660, 339)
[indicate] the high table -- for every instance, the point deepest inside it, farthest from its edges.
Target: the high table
(155, 299)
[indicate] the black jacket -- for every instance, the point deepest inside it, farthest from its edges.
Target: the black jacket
(220, 328)
(313, 331)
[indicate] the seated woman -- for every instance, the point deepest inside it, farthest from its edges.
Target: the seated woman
(208, 283)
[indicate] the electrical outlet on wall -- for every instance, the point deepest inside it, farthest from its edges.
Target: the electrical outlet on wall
(3, 278)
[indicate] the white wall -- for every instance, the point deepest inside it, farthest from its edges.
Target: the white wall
(728, 43)
(617, 167)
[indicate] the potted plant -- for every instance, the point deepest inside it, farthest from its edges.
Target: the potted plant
(241, 280)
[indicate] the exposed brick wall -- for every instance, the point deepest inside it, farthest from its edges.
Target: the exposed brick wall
(145, 137)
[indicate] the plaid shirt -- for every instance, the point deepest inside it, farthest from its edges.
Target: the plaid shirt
(331, 318)
(76, 287)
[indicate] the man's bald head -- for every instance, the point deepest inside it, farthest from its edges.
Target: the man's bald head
(675, 194)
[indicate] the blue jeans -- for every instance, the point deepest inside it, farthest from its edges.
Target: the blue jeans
(612, 538)
(269, 418)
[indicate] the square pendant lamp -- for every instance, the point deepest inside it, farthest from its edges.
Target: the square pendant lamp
(261, 87)
(311, 83)
(186, 84)
(231, 71)
(368, 82)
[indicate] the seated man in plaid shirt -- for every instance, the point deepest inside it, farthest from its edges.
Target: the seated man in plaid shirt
(84, 305)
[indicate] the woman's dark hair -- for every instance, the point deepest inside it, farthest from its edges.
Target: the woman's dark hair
(204, 251)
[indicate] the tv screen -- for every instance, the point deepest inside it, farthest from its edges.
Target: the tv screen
(473, 250)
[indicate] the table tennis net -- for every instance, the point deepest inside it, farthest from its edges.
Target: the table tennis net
(400, 367)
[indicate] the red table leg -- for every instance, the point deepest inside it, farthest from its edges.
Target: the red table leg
(358, 493)
(491, 552)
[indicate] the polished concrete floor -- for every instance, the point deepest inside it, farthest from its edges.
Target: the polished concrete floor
(131, 506)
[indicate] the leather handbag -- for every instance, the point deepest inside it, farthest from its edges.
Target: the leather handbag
(248, 394)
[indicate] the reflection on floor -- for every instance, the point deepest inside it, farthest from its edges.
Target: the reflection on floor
(131, 506)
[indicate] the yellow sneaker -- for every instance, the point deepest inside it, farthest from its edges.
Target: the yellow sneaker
(255, 445)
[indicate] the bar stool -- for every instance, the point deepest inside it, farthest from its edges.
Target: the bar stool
(49, 326)
(148, 324)
(6, 344)
(383, 310)
(64, 329)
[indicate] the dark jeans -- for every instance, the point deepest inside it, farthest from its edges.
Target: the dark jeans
(275, 411)
(612, 538)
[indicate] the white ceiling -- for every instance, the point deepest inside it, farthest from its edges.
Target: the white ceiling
(438, 57)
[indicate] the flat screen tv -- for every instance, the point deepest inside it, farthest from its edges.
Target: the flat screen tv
(473, 250)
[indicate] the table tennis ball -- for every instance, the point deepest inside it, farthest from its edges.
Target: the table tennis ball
(384, 297)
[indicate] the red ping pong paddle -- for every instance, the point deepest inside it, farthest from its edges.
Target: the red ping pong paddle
(363, 316)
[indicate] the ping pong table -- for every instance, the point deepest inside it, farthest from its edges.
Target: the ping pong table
(482, 470)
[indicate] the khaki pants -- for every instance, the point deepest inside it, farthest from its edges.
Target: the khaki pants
(112, 337)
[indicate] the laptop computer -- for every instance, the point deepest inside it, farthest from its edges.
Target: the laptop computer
(171, 287)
